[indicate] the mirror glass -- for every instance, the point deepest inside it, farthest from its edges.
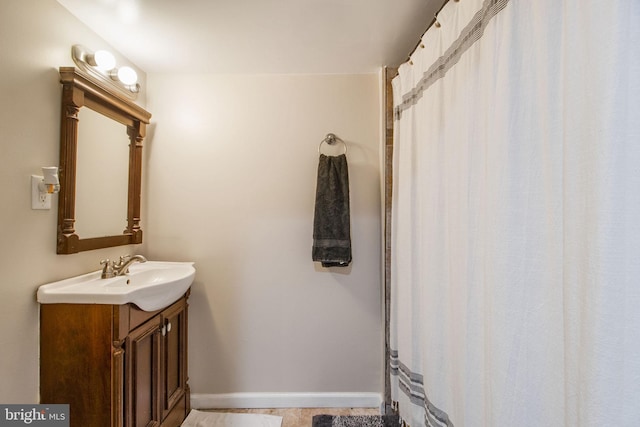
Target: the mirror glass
(102, 174)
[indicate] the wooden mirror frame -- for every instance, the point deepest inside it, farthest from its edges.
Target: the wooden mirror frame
(81, 90)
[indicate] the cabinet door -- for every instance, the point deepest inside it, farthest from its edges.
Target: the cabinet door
(143, 346)
(174, 375)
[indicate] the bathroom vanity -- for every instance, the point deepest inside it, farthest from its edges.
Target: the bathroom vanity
(113, 344)
(116, 365)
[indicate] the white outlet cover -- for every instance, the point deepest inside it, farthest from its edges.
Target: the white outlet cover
(39, 200)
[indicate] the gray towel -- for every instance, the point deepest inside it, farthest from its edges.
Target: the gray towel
(331, 222)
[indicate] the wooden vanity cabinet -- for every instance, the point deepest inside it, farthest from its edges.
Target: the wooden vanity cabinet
(116, 365)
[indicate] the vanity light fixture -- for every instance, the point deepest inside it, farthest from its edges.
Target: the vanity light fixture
(101, 65)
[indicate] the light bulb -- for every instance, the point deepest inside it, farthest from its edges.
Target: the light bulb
(127, 75)
(104, 60)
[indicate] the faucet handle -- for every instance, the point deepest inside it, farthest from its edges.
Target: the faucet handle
(107, 269)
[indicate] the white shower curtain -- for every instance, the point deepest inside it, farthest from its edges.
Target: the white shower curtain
(516, 217)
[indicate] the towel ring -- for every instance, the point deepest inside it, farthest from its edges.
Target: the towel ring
(331, 139)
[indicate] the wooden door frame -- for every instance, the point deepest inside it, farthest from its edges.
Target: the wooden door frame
(389, 73)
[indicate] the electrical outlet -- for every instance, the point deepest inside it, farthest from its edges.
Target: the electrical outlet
(39, 200)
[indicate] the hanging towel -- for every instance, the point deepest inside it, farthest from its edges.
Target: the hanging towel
(331, 222)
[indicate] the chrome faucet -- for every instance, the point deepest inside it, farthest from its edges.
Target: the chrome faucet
(122, 267)
(112, 269)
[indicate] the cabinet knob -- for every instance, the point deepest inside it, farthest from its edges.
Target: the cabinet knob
(163, 330)
(168, 326)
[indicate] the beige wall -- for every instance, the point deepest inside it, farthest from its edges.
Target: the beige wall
(232, 162)
(35, 39)
(230, 176)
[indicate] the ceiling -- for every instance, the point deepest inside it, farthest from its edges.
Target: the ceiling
(259, 36)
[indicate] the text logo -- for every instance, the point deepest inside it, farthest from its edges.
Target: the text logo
(34, 415)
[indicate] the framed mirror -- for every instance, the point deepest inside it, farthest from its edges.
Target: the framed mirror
(101, 137)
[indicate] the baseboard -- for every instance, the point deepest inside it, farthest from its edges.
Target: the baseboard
(286, 400)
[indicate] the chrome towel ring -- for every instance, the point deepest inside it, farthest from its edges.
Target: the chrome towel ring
(331, 139)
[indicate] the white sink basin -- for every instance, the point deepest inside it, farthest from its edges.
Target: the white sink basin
(152, 285)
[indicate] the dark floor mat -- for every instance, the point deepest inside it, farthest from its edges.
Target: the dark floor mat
(356, 421)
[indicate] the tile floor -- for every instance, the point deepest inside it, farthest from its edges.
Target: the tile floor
(301, 417)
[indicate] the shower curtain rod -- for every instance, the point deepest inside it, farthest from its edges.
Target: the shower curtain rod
(434, 21)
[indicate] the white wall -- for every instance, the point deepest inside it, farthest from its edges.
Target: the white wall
(230, 184)
(35, 39)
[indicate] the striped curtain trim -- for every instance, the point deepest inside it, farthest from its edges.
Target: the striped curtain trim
(412, 385)
(471, 34)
